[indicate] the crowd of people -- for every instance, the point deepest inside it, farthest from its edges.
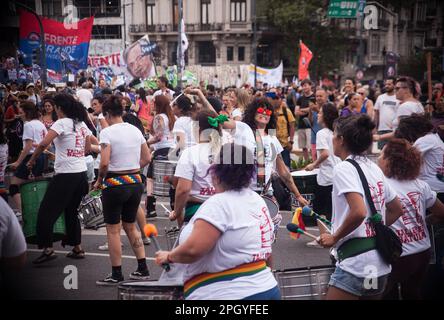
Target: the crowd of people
(228, 145)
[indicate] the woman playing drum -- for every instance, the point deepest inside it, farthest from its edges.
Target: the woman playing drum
(123, 153)
(195, 185)
(69, 184)
(226, 244)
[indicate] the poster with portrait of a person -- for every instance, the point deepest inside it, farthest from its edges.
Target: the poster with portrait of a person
(138, 58)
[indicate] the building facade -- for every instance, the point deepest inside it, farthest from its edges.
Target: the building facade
(219, 31)
(404, 32)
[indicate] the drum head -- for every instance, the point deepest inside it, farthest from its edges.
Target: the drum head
(272, 206)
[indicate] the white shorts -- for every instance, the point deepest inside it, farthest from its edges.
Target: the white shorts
(304, 138)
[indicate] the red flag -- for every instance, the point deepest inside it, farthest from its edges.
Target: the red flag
(304, 62)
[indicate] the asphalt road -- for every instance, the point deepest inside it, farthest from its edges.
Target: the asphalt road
(47, 281)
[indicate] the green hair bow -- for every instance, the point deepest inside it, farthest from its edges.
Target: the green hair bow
(214, 122)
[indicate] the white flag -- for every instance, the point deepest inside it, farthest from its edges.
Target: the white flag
(184, 45)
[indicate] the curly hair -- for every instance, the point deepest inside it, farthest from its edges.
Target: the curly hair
(413, 127)
(250, 114)
(234, 167)
(403, 160)
(330, 114)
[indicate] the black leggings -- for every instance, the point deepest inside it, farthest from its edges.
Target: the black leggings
(64, 194)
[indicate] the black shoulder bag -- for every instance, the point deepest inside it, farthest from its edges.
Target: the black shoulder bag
(387, 242)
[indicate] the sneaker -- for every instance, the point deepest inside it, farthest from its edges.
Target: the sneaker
(104, 247)
(109, 280)
(46, 255)
(314, 244)
(146, 241)
(76, 254)
(151, 215)
(140, 275)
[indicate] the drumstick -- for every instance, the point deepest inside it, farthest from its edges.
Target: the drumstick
(49, 153)
(308, 212)
(292, 227)
(166, 209)
(150, 231)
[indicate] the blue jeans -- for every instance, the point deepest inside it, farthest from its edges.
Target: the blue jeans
(272, 294)
(286, 157)
(356, 286)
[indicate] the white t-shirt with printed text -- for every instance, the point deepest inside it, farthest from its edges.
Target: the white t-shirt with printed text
(387, 105)
(167, 140)
(35, 131)
(70, 146)
(432, 149)
(324, 141)
(125, 141)
(346, 180)
(415, 197)
(193, 165)
(247, 235)
(12, 240)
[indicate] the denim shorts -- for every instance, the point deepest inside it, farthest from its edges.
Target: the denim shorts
(357, 286)
(272, 294)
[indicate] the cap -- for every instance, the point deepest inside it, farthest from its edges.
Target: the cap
(51, 89)
(30, 85)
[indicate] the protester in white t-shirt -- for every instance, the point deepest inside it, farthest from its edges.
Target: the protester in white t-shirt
(418, 130)
(194, 185)
(229, 238)
(183, 129)
(85, 95)
(70, 183)
(386, 107)
(326, 161)
(123, 153)
(407, 93)
(161, 143)
(33, 133)
(416, 197)
(162, 83)
(351, 211)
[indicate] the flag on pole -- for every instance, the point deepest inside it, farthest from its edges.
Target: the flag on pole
(304, 61)
(297, 219)
(185, 44)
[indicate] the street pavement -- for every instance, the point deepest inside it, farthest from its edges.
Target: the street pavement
(47, 281)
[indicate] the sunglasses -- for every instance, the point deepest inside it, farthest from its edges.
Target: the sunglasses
(263, 111)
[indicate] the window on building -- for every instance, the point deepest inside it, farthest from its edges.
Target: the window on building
(241, 54)
(205, 11)
(238, 10)
(375, 50)
(207, 53)
(421, 10)
(175, 14)
(107, 32)
(230, 53)
(172, 53)
(52, 8)
(265, 55)
(97, 8)
(150, 4)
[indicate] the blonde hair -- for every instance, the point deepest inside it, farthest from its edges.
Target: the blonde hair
(243, 98)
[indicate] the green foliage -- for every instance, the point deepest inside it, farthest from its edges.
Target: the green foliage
(306, 20)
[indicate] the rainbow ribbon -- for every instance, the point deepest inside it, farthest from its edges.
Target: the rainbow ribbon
(122, 180)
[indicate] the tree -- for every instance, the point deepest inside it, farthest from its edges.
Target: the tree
(306, 20)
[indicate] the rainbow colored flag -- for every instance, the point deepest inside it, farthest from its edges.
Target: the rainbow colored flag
(297, 219)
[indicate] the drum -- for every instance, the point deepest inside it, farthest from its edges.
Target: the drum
(306, 183)
(162, 170)
(32, 194)
(149, 290)
(172, 235)
(90, 211)
(273, 207)
(309, 283)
